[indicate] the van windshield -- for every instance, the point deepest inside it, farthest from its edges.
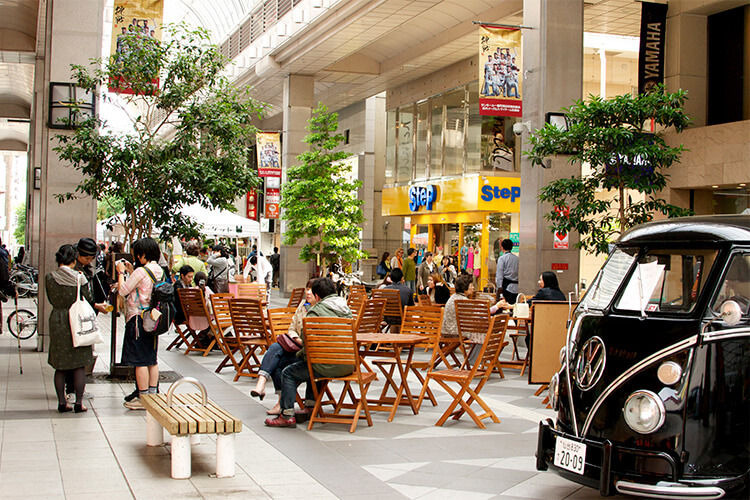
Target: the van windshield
(609, 278)
(668, 280)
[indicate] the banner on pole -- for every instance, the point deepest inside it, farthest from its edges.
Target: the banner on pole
(269, 154)
(651, 55)
(134, 22)
(500, 64)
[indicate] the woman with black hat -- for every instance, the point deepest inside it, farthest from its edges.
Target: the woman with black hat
(98, 290)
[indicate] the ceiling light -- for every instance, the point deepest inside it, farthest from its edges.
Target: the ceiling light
(715, 187)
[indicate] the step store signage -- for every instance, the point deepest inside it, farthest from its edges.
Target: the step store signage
(486, 194)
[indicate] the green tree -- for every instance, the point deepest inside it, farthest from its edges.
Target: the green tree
(19, 233)
(107, 207)
(609, 135)
(318, 200)
(190, 138)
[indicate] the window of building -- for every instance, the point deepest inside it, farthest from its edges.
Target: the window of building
(390, 147)
(455, 128)
(436, 137)
(473, 131)
(728, 71)
(405, 144)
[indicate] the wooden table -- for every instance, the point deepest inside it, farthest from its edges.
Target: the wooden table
(399, 342)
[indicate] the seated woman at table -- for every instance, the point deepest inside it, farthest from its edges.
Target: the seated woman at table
(437, 289)
(277, 358)
(549, 289)
(464, 287)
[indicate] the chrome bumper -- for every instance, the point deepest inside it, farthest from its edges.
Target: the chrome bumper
(664, 489)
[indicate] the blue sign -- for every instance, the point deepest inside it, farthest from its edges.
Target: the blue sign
(423, 196)
(495, 192)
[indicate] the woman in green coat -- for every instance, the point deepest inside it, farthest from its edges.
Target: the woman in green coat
(61, 286)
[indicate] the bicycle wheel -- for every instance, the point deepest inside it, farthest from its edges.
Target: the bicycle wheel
(22, 324)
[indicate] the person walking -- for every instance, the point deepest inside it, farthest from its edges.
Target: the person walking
(61, 286)
(506, 276)
(139, 347)
(410, 270)
(219, 275)
(275, 260)
(397, 261)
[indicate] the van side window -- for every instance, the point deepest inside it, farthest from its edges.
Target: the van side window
(667, 281)
(736, 284)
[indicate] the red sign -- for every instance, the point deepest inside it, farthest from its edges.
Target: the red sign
(272, 210)
(559, 266)
(560, 240)
(252, 204)
(273, 195)
(563, 211)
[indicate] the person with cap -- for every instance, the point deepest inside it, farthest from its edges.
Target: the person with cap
(87, 251)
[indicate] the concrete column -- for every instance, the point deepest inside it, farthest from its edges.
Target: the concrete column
(298, 103)
(552, 79)
(70, 32)
(685, 65)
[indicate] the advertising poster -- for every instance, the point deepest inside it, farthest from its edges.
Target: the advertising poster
(273, 199)
(134, 19)
(252, 204)
(269, 154)
(500, 72)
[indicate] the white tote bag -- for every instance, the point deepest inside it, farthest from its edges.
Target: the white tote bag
(83, 325)
(521, 309)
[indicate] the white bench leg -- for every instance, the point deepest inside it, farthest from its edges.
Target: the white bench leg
(154, 431)
(225, 455)
(181, 457)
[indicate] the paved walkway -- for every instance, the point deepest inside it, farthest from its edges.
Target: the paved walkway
(102, 453)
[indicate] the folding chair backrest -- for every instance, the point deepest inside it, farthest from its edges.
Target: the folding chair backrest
(392, 298)
(484, 296)
(298, 295)
(194, 307)
(280, 319)
(330, 340)
(423, 320)
(493, 343)
(424, 300)
(220, 305)
(355, 303)
(358, 291)
(372, 316)
(472, 317)
(248, 319)
(255, 291)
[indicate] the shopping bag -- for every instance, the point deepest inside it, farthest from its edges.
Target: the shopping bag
(521, 309)
(83, 325)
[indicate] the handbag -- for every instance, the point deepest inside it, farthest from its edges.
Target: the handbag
(83, 325)
(381, 270)
(521, 309)
(286, 343)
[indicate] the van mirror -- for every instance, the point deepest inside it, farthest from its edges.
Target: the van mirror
(731, 313)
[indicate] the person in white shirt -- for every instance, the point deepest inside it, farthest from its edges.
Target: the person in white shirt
(263, 272)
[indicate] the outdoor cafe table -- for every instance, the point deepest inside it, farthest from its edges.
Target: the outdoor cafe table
(397, 342)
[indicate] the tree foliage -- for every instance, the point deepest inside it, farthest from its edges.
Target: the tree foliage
(190, 138)
(609, 136)
(318, 200)
(19, 232)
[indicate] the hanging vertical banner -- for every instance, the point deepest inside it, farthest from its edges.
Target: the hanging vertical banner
(252, 204)
(269, 154)
(651, 55)
(134, 22)
(500, 63)
(273, 199)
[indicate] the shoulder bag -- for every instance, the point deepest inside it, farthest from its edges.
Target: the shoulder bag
(83, 325)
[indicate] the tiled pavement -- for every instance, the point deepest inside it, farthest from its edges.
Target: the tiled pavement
(102, 453)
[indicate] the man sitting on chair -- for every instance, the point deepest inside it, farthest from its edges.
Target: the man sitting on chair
(331, 305)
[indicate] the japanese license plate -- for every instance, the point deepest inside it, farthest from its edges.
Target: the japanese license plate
(570, 455)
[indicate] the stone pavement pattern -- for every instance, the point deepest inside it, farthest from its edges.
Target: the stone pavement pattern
(103, 453)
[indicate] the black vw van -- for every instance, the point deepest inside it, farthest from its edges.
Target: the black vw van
(653, 395)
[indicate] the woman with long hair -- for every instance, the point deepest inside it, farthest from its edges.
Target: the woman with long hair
(384, 266)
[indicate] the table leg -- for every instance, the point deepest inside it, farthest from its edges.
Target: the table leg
(181, 457)
(403, 370)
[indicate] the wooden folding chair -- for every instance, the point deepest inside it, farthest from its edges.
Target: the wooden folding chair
(357, 292)
(473, 318)
(486, 362)
(298, 295)
(424, 300)
(197, 320)
(256, 291)
(333, 341)
(520, 328)
(393, 314)
(418, 320)
(371, 317)
(252, 332)
(279, 320)
(180, 328)
(225, 337)
(355, 303)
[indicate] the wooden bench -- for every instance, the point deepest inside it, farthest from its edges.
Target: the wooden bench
(185, 416)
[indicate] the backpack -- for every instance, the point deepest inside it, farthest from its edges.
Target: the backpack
(162, 300)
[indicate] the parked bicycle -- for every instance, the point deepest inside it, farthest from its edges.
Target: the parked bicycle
(22, 323)
(26, 280)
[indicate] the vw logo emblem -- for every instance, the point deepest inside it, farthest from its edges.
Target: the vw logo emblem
(590, 364)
